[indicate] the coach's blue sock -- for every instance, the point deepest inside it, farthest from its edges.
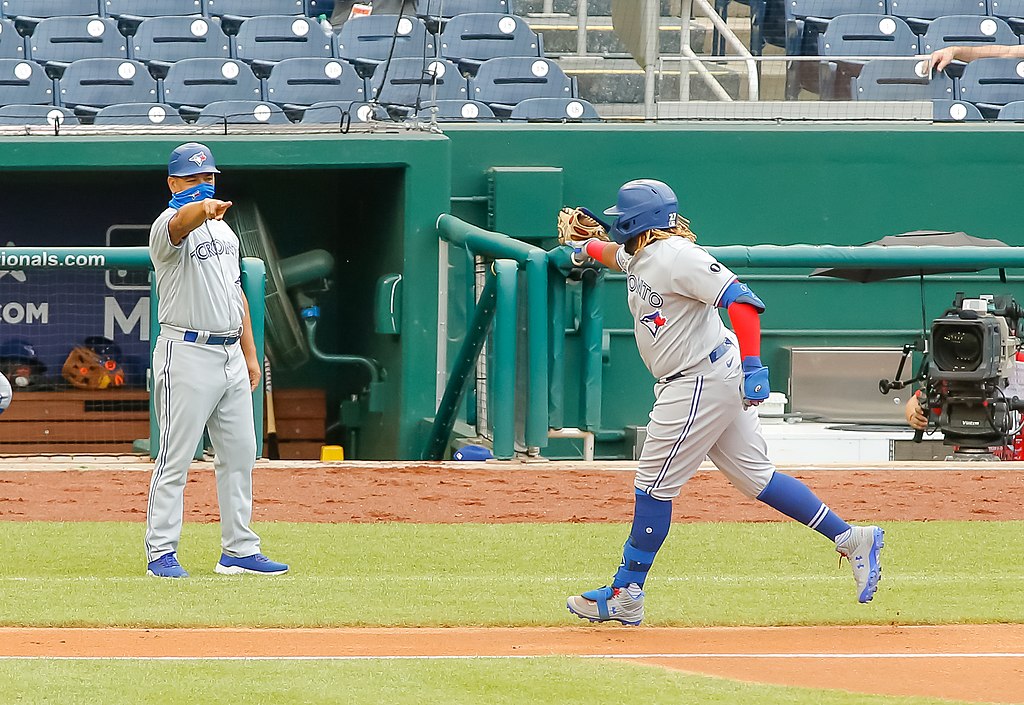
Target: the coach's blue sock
(651, 519)
(796, 500)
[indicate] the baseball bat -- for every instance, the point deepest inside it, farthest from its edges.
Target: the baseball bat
(273, 450)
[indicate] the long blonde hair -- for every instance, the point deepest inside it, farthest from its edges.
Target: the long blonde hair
(680, 229)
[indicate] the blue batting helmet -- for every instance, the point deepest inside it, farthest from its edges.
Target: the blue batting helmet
(191, 158)
(642, 205)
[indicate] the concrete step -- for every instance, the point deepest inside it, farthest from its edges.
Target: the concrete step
(606, 81)
(560, 35)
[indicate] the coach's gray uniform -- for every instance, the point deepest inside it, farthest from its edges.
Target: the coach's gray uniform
(198, 384)
(673, 289)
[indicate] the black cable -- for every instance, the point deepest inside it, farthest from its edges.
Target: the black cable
(391, 53)
(426, 73)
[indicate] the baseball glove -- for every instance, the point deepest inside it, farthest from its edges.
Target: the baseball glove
(579, 224)
(85, 369)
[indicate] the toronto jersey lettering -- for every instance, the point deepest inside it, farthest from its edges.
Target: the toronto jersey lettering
(673, 287)
(199, 281)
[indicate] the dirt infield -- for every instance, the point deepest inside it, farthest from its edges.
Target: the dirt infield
(982, 663)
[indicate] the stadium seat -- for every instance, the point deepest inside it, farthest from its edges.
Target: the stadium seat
(266, 40)
(233, 12)
(859, 35)
(32, 10)
(554, 110)
(954, 111)
(501, 83)
(446, 9)
(12, 44)
(138, 114)
(992, 83)
(130, 13)
(900, 80)
(339, 112)
(368, 41)
(411, 82)
(242, 112)
(919, 13)
(970, 30)
(57, 41)
(456, 111)
(24, 83)
(1010, 10)
(1012, 111)
(160, 41)
(296, 83)
(194, 83)
(91, 84)
(473, 38)
(36, 115)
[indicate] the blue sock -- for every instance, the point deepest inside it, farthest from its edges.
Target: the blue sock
(796, 500)
(651, 519)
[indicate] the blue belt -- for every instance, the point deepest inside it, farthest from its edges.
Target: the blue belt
(715, 355)
(191, 336)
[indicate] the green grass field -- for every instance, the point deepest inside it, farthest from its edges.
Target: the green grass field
(85, 574)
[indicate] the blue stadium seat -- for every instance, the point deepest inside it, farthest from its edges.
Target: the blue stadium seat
(38, 9)
(295, 83)
(1010, 10)
(160, 41)
(339, 112)
(138, 114)
(954, 111)
(969, 30)
(57, 41)
(1012, 111)
(501, 83)
(554, 110)
(130, 13)
(36, 115)
(992, 83)
(277, 37)
(91, 84)
(456, 111)
(242, 112)
(368, 41)
(900, 80)
(411, 82)
(446, 9)
(25, 83)
(473, 38)
(198, 82)
(12, 44)
(859, 35)
(233, 12)
(918, 13)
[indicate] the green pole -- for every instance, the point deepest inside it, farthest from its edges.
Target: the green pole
(462, 372)
(471, 303)
(556, 346)
(537, 320)
(503, 389)
(254, 284)
(591, 334)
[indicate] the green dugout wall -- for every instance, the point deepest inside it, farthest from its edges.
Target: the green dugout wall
(372, 201)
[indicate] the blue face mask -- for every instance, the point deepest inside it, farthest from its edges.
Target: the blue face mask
(199, 192)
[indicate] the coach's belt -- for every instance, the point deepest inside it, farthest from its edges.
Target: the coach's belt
(198, 336)
(715, 355)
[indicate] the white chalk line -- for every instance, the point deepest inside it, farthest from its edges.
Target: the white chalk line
(515, 657)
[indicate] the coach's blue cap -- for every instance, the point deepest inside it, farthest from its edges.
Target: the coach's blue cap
(191, 158)
(472, 452)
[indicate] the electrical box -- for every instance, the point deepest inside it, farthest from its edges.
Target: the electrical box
(836, 384)
(523, 202)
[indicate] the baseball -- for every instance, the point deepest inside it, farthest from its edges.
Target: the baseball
(5, 393)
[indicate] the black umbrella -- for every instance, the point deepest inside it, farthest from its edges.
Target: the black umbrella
(934, 238)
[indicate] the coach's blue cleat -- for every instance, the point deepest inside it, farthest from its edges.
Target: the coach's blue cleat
(862, 545)
(166, 566)
(257, 564)
(607, 604)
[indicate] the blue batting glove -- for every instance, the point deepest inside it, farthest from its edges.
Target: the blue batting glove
(755, 380)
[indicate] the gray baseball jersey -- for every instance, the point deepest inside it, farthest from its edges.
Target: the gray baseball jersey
(673, 289)
(200, 383)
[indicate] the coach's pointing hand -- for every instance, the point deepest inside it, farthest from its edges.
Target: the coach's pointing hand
(215, 209)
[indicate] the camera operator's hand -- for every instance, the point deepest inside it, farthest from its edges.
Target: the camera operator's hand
(915, 416)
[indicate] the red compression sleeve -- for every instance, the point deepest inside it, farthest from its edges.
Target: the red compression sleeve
(746, 322)
(595, 249)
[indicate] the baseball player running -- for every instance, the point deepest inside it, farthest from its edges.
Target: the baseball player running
(205, 369)
(708, 378)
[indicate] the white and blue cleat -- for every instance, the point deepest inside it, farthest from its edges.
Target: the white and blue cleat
(862, 546)
(166, 566)
(607, 604)
(256, 564)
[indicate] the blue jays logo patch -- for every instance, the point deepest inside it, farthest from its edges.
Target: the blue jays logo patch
(654, 322)
(198, 158)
